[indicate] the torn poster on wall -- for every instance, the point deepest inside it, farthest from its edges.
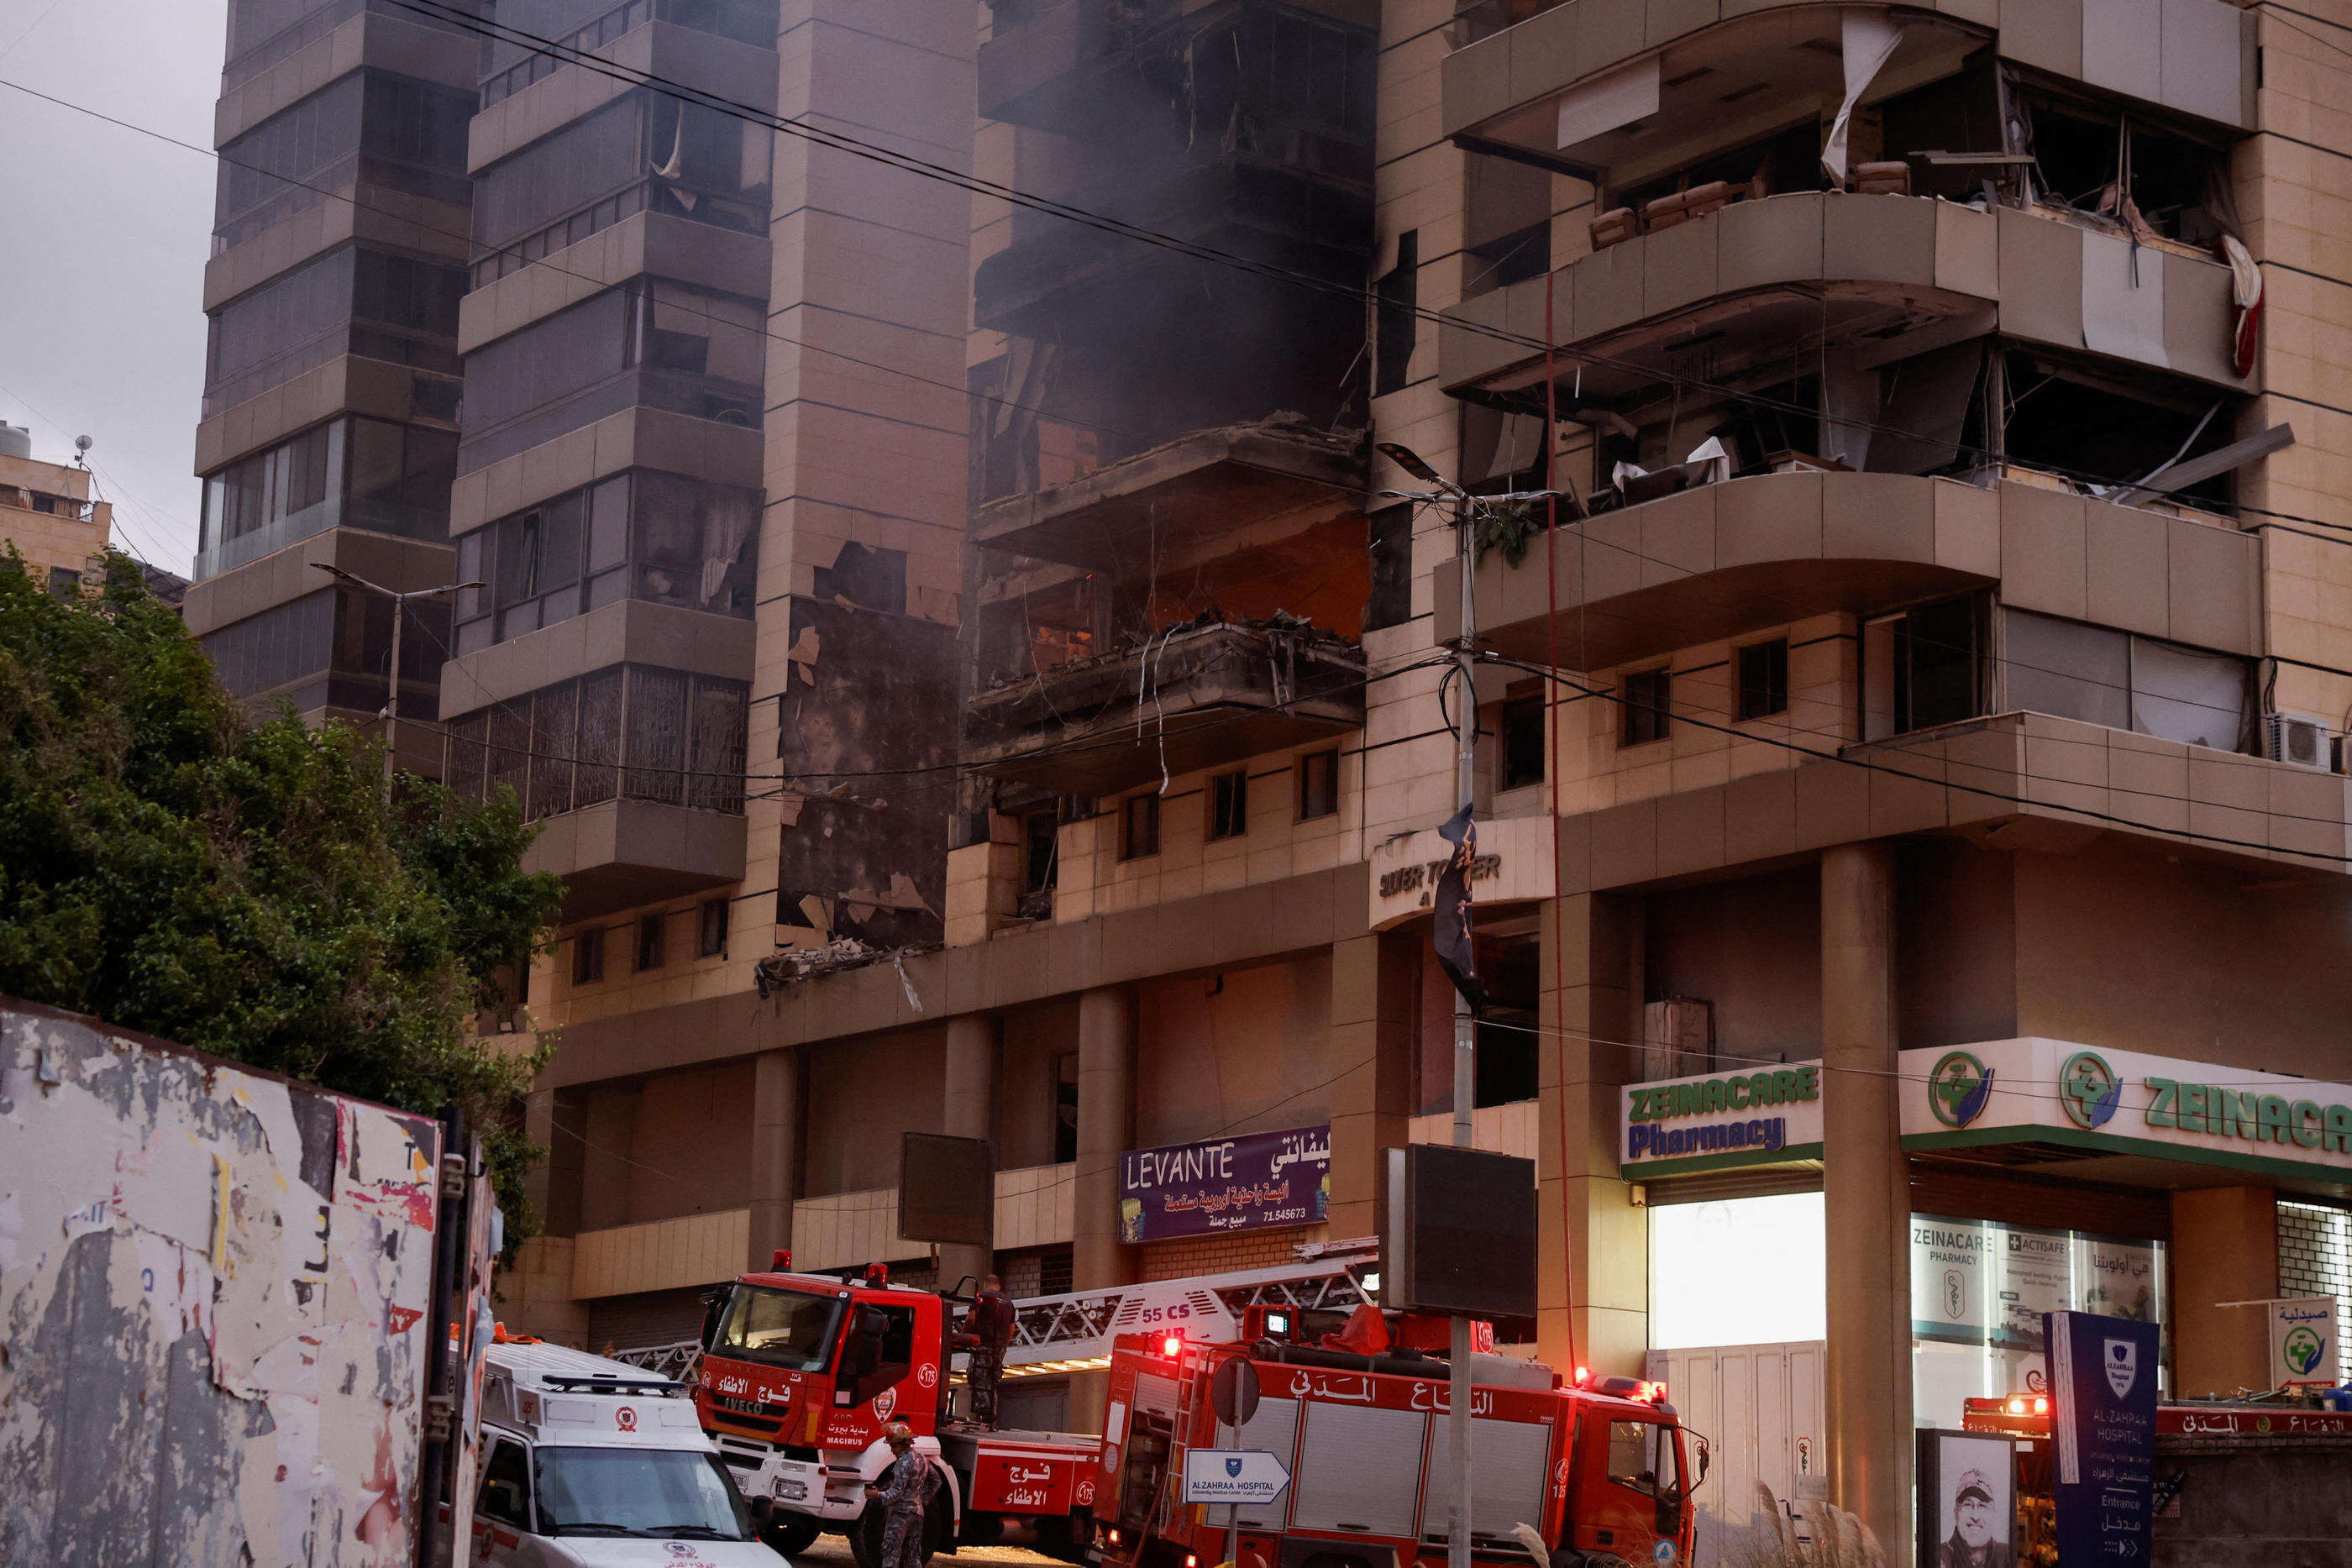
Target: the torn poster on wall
(215, 1286)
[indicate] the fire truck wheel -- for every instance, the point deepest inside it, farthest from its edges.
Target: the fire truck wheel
(791, 1533)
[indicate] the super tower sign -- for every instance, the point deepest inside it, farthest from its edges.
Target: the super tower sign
(1260, 1181)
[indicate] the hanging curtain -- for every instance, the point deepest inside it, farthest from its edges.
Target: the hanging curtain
(1868, 41)
(727, 518)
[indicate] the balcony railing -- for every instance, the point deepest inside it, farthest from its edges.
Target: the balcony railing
(1189, 697)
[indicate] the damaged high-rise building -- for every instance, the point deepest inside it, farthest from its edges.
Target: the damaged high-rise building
(959, 635)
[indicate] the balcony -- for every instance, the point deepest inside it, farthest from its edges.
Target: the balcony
(1190, 699)
(1189, 494)
(620, 854)
(1723, 558)
(2014, 780)
(1886, 275)
(1531, 91)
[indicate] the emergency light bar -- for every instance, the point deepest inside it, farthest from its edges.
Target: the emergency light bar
(640, 1386)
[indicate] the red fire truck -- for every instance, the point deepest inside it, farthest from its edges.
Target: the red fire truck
(1603, 1472)
(801, 1373)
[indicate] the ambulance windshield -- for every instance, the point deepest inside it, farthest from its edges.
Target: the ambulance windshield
(778, 1328)
(679, 1493)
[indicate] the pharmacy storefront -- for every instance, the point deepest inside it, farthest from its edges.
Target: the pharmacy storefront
(2044, 1174)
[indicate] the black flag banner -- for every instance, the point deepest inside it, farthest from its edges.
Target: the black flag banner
(1451, 935)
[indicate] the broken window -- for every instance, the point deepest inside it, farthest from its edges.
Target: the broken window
(588, 956)
(1505, 223)
(2105, 677)
(1319, 785)
(1399, 291)
(711, 939)
(1764, 678)
(1644, 712)
(1391, 531)
(1041, 858)
(2101, 158)
(1229, 804)
(2108, 425)
(1789, 159)
(1139, 827)
(653, 941)
(1521, 727)
(1925, 667)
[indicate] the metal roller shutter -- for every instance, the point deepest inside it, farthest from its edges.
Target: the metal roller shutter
(1359, 1470)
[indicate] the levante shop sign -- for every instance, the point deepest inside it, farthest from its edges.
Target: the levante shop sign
(1757, 1117)
(2057, 1092)
(1258, 1181)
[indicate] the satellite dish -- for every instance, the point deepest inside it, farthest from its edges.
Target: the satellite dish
(83, 443)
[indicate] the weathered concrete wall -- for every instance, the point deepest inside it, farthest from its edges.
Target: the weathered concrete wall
(2261, 1510)
(213, 1285)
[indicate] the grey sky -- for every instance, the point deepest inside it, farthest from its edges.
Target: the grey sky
(103, 238)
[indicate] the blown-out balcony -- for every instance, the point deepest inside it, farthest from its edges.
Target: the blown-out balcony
(1190, 699)
(1887, 276)
(1193, 493)
(1542, 89)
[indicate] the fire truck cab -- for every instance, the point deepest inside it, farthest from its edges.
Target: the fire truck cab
(1604, 1474)
(799, 1376)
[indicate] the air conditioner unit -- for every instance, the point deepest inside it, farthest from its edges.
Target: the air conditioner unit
(2298, 738)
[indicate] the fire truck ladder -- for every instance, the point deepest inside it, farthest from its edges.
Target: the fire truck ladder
(1074, 1332)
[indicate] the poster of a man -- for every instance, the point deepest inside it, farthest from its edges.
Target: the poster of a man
(1973, 1496)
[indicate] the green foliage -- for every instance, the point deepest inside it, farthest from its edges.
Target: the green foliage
(1509, 526)
(171, 864)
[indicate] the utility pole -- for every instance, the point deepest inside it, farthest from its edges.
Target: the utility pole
(1466, 1023)
(392, 686)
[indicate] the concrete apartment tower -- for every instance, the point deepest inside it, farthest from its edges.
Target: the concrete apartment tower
(47, 513)
(330, 426)
(1913, 825)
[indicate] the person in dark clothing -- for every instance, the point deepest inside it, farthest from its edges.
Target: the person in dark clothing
(991, 1326)
(902, 1490)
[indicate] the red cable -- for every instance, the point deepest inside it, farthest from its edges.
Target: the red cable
(1551, 773)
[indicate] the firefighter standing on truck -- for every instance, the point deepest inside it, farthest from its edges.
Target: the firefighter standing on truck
(991, 1326)
(901, 1492)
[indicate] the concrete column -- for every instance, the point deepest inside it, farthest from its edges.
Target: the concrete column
(969, 1074)
(1868, 1200)
(1373, 1038)
(1106, 1127)
(1592, 1269)
(775, 1153)
(2224, 1248)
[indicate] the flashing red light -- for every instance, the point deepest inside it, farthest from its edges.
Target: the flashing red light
(1584, 1376)
(1113, 1537)
(1171, 1346)
(1191, 1560)
(2016, 1406)
(2041, 1406)
(782, 1260)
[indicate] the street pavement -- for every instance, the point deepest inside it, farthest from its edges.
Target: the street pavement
(833, 1552)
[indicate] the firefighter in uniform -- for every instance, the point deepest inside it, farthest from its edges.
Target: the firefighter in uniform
(990, 1323)
(901, 1491)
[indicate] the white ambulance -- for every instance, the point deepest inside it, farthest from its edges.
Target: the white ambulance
(590, 1463)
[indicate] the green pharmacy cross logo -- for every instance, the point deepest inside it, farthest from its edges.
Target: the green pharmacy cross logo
(1958, 1088)
(2301, 1351)
(2089, 1089)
